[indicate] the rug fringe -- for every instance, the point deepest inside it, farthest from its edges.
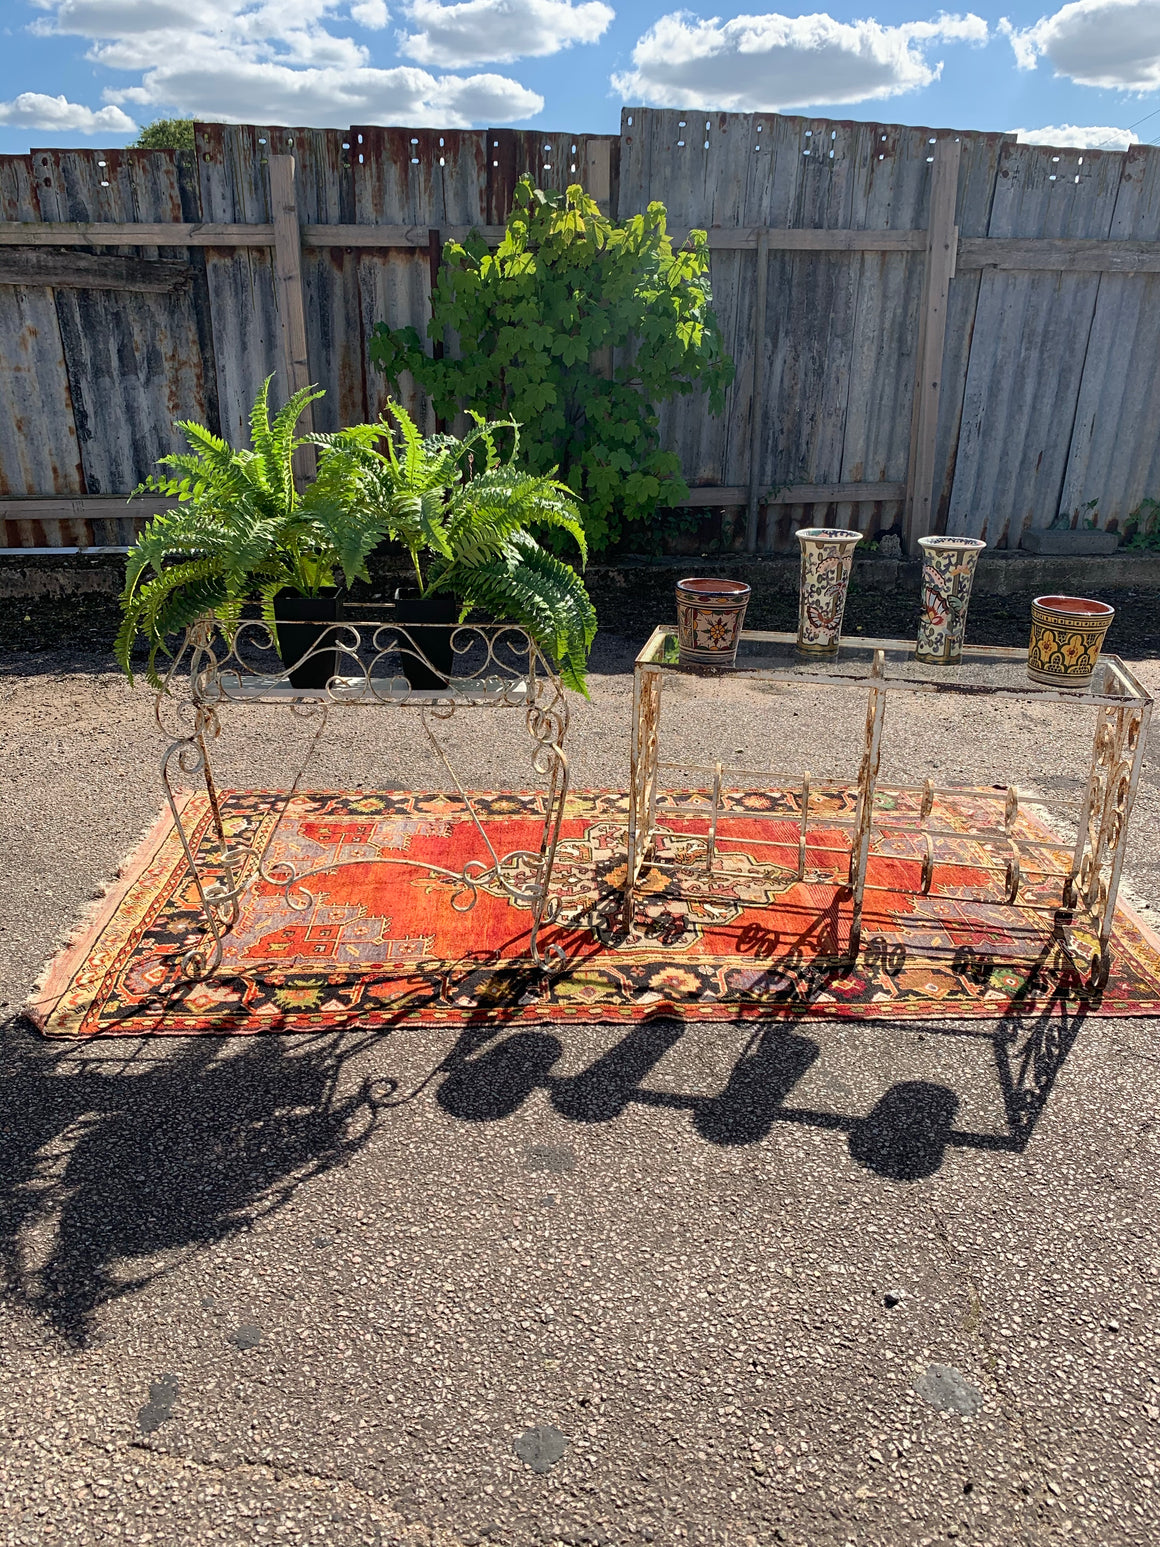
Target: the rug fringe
(75, 939)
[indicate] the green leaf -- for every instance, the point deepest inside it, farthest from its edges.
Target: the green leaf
(579, 327)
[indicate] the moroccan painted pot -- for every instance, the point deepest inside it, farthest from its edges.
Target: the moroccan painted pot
(709, 618)
(827, 559)
(1067, 635)
(948, 567)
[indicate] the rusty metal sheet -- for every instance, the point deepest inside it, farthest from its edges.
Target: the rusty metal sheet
(134, 361)
(415, 177)
(1114, 457)
(233, 185)
(553, 160)
(39, 453)
(1028, 346)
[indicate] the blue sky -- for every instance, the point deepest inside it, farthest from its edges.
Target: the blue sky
(86, 72)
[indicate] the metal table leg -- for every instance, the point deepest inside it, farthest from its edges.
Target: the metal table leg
(864, 820)
(642, 782)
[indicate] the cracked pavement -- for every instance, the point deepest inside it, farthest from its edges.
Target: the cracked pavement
(726, 1284)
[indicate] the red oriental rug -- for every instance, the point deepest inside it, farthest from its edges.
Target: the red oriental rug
(381, 944)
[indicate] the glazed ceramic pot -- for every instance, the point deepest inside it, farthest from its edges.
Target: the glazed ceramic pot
(709, 618)
(948, 567)
(1067, 635)
(827, 559)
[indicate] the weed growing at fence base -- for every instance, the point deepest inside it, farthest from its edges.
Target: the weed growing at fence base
(577, 327)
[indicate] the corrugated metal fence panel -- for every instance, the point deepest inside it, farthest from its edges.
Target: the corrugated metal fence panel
(1115, 446)
(891, 191)
(978, 174)
(838, 351)
(1049, 395)
(412, 177)
(235, 186)
(335, 347)
(1028, 346)
(838, 317)
(693, 170)
(39, 454)
(134, 365)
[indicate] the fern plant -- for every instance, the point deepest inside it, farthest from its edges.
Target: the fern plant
(464, 513)
(241, 532)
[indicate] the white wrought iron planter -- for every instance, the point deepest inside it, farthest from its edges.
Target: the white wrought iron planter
(496, 666)
(1086, 871)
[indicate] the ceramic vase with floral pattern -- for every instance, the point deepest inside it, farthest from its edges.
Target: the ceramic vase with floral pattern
(1067, 635)
(827, 559)
(948, 568)
(710, 613)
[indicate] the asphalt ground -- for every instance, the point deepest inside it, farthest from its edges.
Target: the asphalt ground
(829, 1283)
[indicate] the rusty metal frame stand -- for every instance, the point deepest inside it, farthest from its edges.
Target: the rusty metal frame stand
(642, 792)
(644, 768)
(867, 785)
(1081, 910)
(1098, 861)
(499, 667)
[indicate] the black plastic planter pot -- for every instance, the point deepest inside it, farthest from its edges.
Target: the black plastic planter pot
(434, 619)
(303, 625)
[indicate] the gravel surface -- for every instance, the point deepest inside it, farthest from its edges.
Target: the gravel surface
(817, 1284)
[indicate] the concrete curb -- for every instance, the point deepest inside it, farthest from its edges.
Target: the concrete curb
(999, 574)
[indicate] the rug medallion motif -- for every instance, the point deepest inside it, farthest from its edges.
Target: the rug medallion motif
(379, 943)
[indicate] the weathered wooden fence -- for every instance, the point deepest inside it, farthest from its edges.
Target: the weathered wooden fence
(933, 330)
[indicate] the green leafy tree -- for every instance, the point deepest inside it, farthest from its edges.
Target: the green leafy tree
(166, 134)
(579, 326)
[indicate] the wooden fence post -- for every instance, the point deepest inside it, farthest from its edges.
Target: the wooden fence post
(757, 393)
(941, 247)
(291, 303)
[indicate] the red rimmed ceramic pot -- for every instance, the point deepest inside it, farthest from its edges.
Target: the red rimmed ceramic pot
(710, 614)
(1067, 635)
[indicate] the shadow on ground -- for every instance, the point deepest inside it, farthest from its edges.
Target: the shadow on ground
(115, 1154)
(904, 1137)
(161, 1149)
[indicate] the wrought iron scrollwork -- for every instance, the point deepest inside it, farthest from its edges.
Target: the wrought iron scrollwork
(494, 666)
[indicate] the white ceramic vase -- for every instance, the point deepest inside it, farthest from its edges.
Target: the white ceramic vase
(948, 568)
(827, 559)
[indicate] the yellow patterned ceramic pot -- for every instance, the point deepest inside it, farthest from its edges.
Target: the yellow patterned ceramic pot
(1067, 635)
(710, 613)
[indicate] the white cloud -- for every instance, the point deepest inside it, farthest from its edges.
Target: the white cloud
(239, 91)
(278, 61)
(34, 110)
(761, 63)
(1110, 43)
(372, 14)
(501, 30)
(1073, 137)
